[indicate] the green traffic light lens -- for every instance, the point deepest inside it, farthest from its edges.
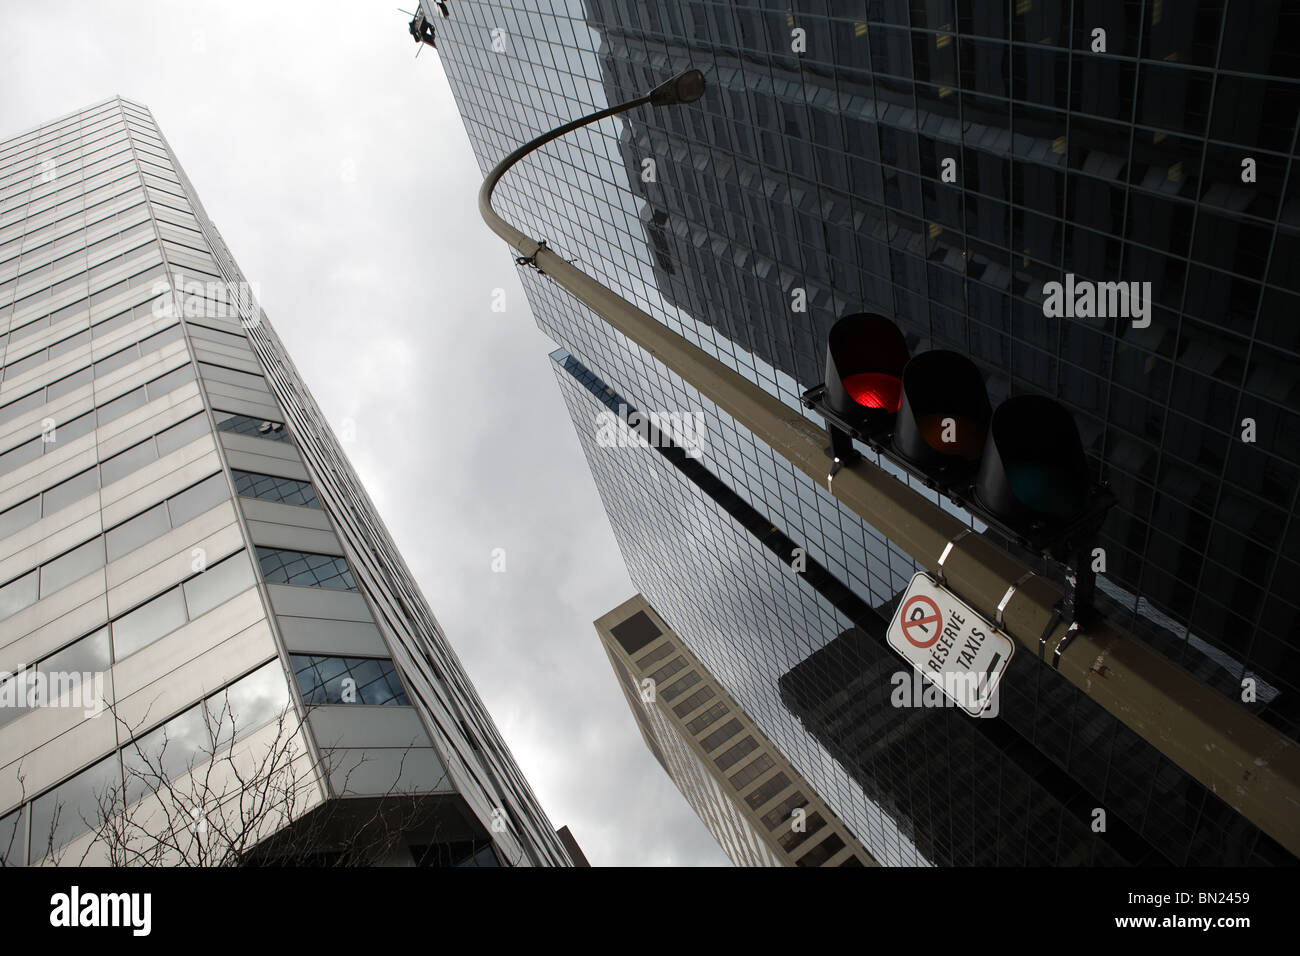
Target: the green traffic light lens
(1048, 490)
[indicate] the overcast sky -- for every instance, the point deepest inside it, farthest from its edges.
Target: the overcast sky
(338, 170)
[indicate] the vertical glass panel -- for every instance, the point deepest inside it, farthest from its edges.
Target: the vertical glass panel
(171, 381)
(70, 383)
(13, 838)
(137, 532)
(66, 492)
(17, 457)
(17, 594)
(90, 655)
(192, 502)
(217, 584)
(70, 431)
(25, 404)
(74, 565)
(20, 516)
(166, 753)
(121, 465)
(75, 806)
(147, 623)
(121, 405)
(249, 703)
(182, 433)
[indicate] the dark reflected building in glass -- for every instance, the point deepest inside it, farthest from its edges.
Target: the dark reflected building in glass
(937, 162)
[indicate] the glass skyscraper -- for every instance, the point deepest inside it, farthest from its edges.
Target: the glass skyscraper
(938, 162)
(185, 551)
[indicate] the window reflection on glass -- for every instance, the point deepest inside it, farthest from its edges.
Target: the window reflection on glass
(344, 680)
(73, 807)
(147, 623)
(165, 754)
(248, 703)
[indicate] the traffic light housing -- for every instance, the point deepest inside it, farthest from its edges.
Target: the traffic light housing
(943, 419)
(1019, 468)
(1034, 471)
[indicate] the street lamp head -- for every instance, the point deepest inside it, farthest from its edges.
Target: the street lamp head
(685, 87)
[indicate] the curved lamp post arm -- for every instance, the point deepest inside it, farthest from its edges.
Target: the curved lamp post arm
(684, 87)
(518, 240)
(1235, 754)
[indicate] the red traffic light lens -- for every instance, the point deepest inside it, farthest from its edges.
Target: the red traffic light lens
(875, 390)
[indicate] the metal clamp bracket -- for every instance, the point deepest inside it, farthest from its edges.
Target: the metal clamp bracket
(1052, 621)
(947, 550)
(1069, 636)
(532, 260)
(1006, 598)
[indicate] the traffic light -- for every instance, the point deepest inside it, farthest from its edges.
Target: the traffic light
(1020, 468)
(865, 356)
(944, 418)
(1034, 471)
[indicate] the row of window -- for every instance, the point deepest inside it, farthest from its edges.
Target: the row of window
(62, 261)
(59, 192)
(40, 217)
(86, 423)
(147, 280)
(42, 581)
(113, 469)
(323, 679)
(76, 278)
(51, 244)
(304, 569)
(125, 200)
(77, 133)
(53, 207)
(250, 484)
(87, 141)
(138, 628)
(80, 165)
(252, 427)
(84, 375)
(144, 765)
(189, 740)
(38, 227)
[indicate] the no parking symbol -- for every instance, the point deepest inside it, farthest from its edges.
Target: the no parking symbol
(922, 622)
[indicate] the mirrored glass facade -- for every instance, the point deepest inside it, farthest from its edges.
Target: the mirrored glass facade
(939, 163)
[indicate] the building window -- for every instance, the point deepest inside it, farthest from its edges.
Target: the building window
(728, 757)
(707, 718)
(673, 691)
(694, 701)
(658, 654)
(751, 771)
(668, 670)
(347, 680)
(721, 735)
(767, 791)
(821, 852)
(780, 813)
(253, 427)
(250, 484)
(794, 838)
(304, 569)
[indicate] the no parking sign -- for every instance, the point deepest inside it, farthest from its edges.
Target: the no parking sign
(956, 649)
